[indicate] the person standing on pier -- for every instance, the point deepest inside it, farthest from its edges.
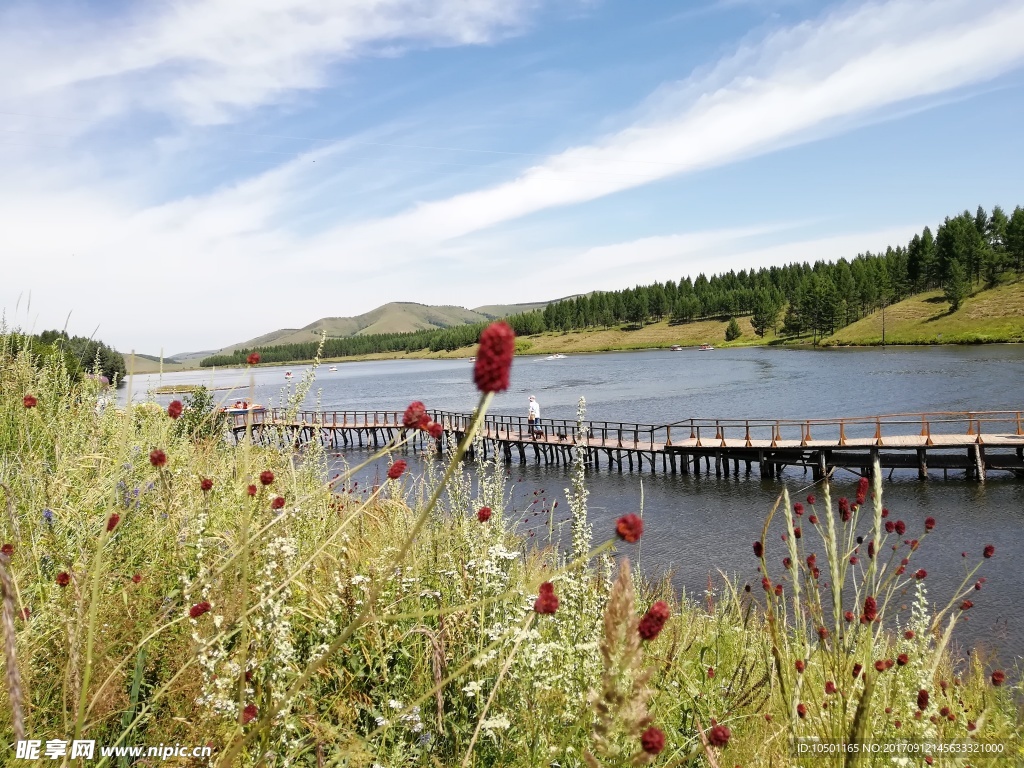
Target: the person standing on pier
(533, 417)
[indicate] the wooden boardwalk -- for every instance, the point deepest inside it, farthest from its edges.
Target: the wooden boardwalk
(973, 443)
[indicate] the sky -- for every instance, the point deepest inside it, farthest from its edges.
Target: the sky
(181, 175)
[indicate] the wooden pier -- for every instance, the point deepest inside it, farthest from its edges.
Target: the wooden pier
(971, 444)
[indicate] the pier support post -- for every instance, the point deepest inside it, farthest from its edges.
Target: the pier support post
(922, 464)
(979, 461)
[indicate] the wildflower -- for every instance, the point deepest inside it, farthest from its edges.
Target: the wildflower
(978, 583)
(29, 401)
(436, 430)
(801, 710)
(922, 699)
(547, 600)
(277, 503)
(909, 634)
(136, 578)
(711, 673)
(253, 358)
(885, 512)
(848, 616)
(971, 725)
(483, 514)
(249, 713)
(830, 687)
(800, 665)
(812, 560)
(998, 677)
(900, 527)
(898, 724)
(653, 621)
(719, 735)
(7, 549)
(766, 583)
(966, 605)
(48, 516)
(199, 609)
(822, 633)
(929, 523)
(157, 457)
(870, 608)
(853, 560)
(630, 527)
(989, 551)
(758, 549)
(494, 357)
(778, 590)
(112, 522)
(810, 498)
(902, 659)
(414, 415)
(251, 490)
(395, 470)
(652, 741)
(174, 409)
(787, 563)
(890, 526)
(205, 484)
(920, 573)
(857, 670)
(871, 549)
(813, 519)
(844, 509)
(798, 508)
(797, 533)
(63, 579)
(266, 477)
(862, 491)
(881, 665)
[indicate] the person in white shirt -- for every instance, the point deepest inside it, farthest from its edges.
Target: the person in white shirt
(533, 416)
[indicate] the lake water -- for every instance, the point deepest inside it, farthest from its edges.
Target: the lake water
(700, 525)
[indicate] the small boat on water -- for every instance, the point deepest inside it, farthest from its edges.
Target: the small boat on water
(676, 348)
(243, 411)
(706, 348)
(288, 374)
(333, 368)
(555, 356)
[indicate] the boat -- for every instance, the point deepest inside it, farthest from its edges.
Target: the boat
(333, 368)
(243, 411)
(676, 348)
(555, 357)
(288, 374)
(706, 348)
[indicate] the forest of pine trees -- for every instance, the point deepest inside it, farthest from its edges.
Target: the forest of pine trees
(816, 300)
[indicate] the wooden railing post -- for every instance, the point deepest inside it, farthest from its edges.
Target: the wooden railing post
(747, 442)
(842, 432)
(878, 431)
(668, 433)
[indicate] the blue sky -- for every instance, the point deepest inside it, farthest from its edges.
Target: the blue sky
(184, 175)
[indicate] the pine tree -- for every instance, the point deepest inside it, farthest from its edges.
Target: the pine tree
(957, 286)
(732, 331)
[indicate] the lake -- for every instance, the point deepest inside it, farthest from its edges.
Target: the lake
(701, 525)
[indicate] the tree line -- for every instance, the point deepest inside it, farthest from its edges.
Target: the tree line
(797, 299)
(81, 355)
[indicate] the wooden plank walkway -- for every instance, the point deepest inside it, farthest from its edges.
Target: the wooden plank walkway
(975, 442)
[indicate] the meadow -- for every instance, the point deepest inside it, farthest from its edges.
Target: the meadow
(163, 584)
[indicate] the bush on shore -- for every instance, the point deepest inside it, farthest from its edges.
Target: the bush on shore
(164, 585)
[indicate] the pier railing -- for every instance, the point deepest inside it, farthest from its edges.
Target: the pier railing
(701, 433)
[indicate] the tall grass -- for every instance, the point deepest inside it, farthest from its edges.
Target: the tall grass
(399, 626)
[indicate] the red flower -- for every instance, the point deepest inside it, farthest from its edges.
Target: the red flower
(920, 573)
(137, 578)
(862, 491)
(778, 590)
(414, 415)
(766, 584)
(395, 470)
(854, 560)
(249, 714)
(266, 477)
(966, 605)
(547, 600)
(174, 409)
(652, 741)
(900, 527)
(885, 512)
(251, 490)
(902, 659)
(881, 666)
(711, 673)
(844, 509)
(813, 519)
(199, 609)
(810, 499)
(112, 522)
(205, 484)
(253, 358)
(786, 563)
(890, 526)
(822, 633)
(800, 665)
(277, 503)
(63, 579)
(830, 687)
(798, 508)
(870, 608)
(909, 634)
(922, 699)
(718, 736)
(998, 677)
(812, 560)
(797, 533)
(7, 549)
(758, 549)
(857, 670)
(29, 401)
(653, 621)
(630, 527)
(989, 551)
(801, 710)
(929, 523)
(436, 430)
(157, 457)
(494, 357)
(871, 549)
(483, 514)
(848, 616)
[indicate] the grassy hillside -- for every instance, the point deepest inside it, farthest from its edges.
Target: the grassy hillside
(150, 364)
(995, 315)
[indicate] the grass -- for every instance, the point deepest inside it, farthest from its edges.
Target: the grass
(390, 626)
